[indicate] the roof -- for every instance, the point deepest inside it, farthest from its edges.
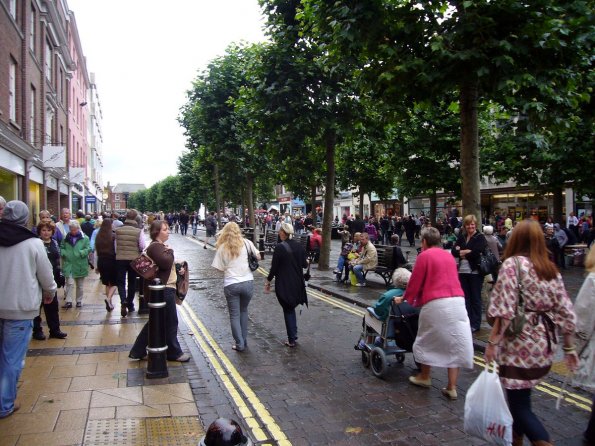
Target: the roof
(130, 188)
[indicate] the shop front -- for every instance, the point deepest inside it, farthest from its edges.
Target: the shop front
(518, 205)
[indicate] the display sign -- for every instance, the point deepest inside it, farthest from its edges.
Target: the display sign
(77, 174)
(54, 156)
(90, 199)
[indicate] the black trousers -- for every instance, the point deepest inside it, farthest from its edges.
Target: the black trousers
(125, 274)
(52, 317)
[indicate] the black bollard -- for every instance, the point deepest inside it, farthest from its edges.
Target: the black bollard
(261, 245)
(157, 348)
(143, 308)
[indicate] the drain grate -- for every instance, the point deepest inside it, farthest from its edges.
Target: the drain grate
(170, 431)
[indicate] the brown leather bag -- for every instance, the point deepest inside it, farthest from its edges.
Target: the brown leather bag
(144, 266)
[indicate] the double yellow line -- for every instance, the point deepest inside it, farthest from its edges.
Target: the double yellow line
(253, 412)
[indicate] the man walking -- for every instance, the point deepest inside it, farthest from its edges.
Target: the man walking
(129, 244)
(64, 224)
(27, 275)
(211, 227)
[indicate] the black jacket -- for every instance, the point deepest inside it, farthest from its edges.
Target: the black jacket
(288, 273)
(476, 244)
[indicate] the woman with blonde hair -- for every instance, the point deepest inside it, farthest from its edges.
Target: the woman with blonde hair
(525, 359)
(231, 257)
(585, 326)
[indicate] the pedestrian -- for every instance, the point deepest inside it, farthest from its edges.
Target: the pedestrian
(238, 282)
(211, 227)
(468, 248)
(75, 250)
(585, 326)
(443, 337)
(130, 242)
(26, 279)
(526, 359)
(163, 256)
(106, 261)
(289, 260)
(46, 230)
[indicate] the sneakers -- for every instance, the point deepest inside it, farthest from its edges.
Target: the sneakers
(426, 383)
(67, 305)
(15, 408)
(337, 271)
(183, 358)
(79, 305)
(450, 394)
(373, 313)
(58, 334)
(360, 284)
(123, 311)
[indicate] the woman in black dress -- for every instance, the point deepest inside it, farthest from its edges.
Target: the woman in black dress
(106, 260)
(289, 260)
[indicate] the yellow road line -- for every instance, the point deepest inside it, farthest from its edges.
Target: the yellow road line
(236, 386)
(544, 387)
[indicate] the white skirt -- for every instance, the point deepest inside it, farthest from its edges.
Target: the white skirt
(444, 334)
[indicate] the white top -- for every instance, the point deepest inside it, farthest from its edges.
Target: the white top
(235, 270)
(571, 220)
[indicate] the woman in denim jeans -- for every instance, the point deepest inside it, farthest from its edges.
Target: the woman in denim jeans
(238, 282)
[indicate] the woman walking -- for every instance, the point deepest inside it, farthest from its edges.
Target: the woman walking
(525, 359)
(468, 248)
(75, 251)
(163, 256)
(106, 260)
(289, 260)
(238, 282)
(443, 337)
(46, 230)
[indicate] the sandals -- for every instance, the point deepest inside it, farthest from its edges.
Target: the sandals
(108, 307)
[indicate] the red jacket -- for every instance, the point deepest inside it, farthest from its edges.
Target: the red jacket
(434, 276)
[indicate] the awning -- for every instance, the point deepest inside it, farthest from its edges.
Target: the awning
(273, 208)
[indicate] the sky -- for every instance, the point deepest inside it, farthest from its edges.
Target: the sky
(145, 55)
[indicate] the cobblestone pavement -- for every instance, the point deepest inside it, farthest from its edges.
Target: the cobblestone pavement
(316, 394)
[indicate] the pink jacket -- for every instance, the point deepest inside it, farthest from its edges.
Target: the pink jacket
(434, 276)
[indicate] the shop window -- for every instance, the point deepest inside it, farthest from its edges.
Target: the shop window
(8, 185)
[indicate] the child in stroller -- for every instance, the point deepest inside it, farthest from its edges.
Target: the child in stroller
(388, 328)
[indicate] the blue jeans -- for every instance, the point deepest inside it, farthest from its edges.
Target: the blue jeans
(524, 421)
(358, 270)
(14, 340)
(290, 324)
(238, 297)
(472, 284)
(193, 228)
(341, 263)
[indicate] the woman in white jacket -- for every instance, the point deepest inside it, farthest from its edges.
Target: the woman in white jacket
(585, 301)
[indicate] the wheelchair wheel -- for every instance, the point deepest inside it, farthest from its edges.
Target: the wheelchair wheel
(365, 359)
(400, 357)
(378, 362)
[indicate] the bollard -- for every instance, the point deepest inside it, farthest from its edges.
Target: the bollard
(157, 348)
(261, 245)
(143, 308)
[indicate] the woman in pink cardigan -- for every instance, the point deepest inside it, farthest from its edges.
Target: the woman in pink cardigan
(444, 334)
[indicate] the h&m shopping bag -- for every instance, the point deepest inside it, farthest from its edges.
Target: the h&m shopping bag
(486, 413)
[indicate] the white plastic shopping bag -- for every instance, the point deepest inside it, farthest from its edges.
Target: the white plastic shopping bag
(486, 413)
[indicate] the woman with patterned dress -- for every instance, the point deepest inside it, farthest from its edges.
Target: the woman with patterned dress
(525, 359)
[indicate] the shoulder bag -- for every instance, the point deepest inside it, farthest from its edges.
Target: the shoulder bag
(144, 266)
(518, 321)
(252, 259)
(487, 262)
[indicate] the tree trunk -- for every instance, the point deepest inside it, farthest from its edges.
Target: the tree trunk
(313, 204)
(433, 201)
(558, 203)
(329, 197)
(217, 194)
(470, 150)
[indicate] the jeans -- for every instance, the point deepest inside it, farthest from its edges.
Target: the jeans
(524, 421)
(358, 270)
(174, 351)
(124, 269)
(341, 263)
(472, 284)
(52, 317)
(14, 340)
(238, 297)
(70, 281)
(290, 324)
(183, 228)
(194, 228)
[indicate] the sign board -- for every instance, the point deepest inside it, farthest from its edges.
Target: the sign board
(54, 156)
(77, 174)
(90, 199)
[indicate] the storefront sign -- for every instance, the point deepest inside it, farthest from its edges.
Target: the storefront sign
(54, 156)
(77, 174)
(90, 199)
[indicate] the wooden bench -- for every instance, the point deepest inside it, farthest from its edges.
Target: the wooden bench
(270, 239)
(386, 264)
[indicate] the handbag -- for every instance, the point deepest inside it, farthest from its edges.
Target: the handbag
(487, 415)
(518, 321)
(182, 280)
(487, 262)
(144, 266)
(307, 273)
(252, 259)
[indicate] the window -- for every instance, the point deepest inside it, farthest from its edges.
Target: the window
(116, 197)
(12, 91)
(12, 7)
(48, 61)
(32, 28)
(60, 85)
(49, 118)
(32, 109)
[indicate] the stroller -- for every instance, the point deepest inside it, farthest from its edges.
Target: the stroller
(394, 336)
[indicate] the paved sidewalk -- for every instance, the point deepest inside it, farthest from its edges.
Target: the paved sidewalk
(85, 390)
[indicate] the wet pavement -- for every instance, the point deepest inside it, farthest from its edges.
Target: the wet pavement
(318, 393)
